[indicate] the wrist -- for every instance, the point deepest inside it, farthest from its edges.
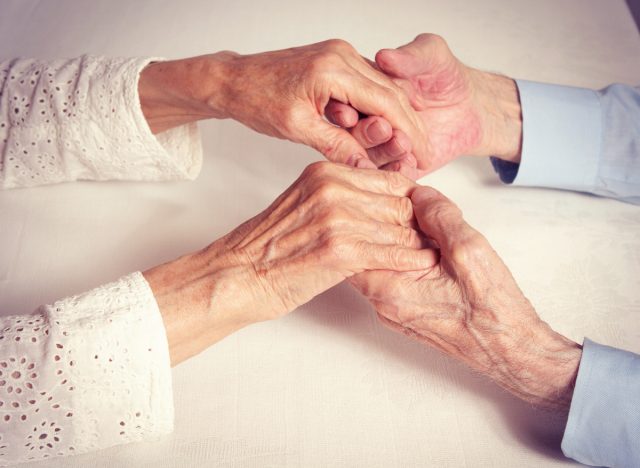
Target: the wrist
(499, 103)
(177, 92)
(200, 299)
(541, 368)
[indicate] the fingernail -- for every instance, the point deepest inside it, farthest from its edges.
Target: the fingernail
(376, 132)
(353, 159)
(364, 163)
(393, 166)
(423, 194)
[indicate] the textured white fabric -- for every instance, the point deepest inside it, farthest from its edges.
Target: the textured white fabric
(92, 370)
(328, 385)
(75, 119)
(84, 373)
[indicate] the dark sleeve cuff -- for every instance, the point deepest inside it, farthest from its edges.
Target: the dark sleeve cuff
(506, 170)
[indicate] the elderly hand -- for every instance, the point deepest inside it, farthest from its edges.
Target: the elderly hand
(470, 307)
(464, 111)
(333, 222)
(282, 94)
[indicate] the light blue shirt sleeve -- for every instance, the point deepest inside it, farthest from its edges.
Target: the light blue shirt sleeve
(578, 139)
(604, 421)
(589, 141)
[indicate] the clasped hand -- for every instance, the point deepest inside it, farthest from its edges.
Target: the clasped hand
(432, 277)
(333, 222)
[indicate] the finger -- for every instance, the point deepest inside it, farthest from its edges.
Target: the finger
(341, 114)
(402, 89)
(412, 59)
(383, 144)
(380, 182)
(398, 148)
(336, 144)
(372, 131)
(407, 168)
(385, 208)
(387, 257)
(391, 234)
(372, 99)
(441, 219)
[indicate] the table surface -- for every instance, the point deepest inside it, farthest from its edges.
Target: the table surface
(328, 385)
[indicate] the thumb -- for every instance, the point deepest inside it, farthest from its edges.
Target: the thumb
(337, 144)
(439, 218)
(412, 59)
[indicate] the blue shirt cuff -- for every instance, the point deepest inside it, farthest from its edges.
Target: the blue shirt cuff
(507, 170)
(603, 428)
(561, 138)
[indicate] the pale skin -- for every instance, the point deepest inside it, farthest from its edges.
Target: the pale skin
(333, 222)
(468, 305)
(464, 111)
(323, 229)
(282, 94)
(425, 108)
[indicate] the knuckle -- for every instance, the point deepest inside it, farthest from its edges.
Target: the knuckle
(332, 218)
(333, 246)
(444, 212)
(469, 249)
(394, 258)
(318, 170)
(339, 45)
(327, 191)
(328, 58)
(397, 183)
(433, 39)
(227, 55)
(405, 208)
(321, 63)
(407, 237)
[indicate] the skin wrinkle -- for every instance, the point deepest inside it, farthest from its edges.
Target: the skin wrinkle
(262, 270)
(464, 111)
(469, 306)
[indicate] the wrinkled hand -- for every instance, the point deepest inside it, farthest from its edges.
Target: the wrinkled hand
(282, 94)
(470, 307)
(464, 111)
(333, 222)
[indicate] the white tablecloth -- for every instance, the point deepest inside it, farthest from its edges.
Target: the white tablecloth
(328, 385)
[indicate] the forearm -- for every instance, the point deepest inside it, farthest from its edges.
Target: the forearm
(531, 361)
(200, 297)
(542, 370)
(177, 92)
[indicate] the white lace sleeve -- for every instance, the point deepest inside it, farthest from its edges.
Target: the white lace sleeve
(80, 118)
(85, 373)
